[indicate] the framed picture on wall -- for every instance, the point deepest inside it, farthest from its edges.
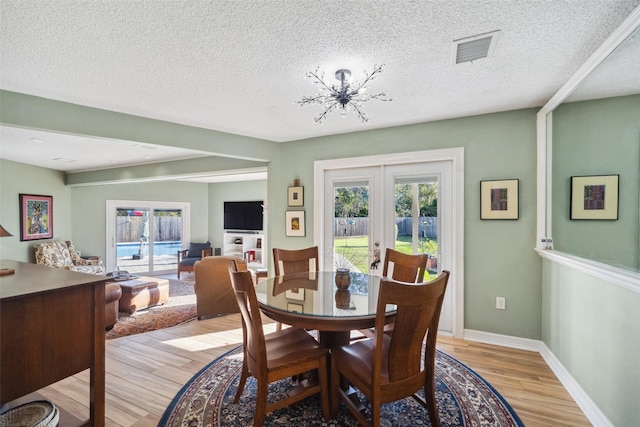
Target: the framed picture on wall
(499, 199)
(36, 217)
(296, 196)
(295, 223)
(594, 197)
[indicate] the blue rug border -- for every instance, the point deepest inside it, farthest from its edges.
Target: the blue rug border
(176, 398)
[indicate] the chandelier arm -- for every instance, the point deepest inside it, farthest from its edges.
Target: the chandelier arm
(321, 81)
(327, 111)
(363, 116)
(379, 96)
(369, 77)
(312, 100)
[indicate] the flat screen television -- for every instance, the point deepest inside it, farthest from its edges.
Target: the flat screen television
(243, 215)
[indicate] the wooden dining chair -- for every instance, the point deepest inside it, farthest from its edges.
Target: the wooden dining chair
(390, 367)
(275, 356)
(404, 267)
(287, 261)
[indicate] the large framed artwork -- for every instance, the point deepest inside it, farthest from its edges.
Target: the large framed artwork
(594, 197)
(295, 223)
(36, 217)
(499, 199)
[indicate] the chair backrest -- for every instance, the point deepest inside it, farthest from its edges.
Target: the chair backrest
(295, 261)
(53, 254)
(404, 267)
(199, 250)
(418, 314)
(252, 333)
(214, 294)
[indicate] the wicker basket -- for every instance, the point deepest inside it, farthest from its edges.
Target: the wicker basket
(40, 413)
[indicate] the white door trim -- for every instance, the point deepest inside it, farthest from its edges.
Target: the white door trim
(454, 155)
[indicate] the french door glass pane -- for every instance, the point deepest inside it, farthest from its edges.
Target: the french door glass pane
(132, 239)
(167, 238)
(416, 218)
(351, 226)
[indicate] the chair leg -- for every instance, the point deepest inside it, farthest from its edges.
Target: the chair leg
(375, 413)
(278, 326)
(261, 403)
(242, 382)
(430, 403)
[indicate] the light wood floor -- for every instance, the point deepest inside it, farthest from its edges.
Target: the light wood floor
(144, 372)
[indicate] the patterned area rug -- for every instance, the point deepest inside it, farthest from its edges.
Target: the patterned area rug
(180, 308)
(464, 399)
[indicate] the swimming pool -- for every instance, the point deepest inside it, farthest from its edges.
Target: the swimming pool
(159, 248)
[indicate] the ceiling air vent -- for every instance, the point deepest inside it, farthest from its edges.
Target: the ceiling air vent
(473, 48)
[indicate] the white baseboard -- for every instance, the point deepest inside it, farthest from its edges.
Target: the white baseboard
(586, 404)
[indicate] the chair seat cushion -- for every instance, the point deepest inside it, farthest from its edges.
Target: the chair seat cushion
(358, 358)
(189, 261)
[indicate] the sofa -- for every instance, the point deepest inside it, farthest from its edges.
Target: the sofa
(112, 294)
(214, 293)
(63, 255)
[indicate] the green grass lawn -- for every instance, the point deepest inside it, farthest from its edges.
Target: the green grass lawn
(359, 247)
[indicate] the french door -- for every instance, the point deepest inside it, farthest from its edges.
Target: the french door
(145, 237)
(400, 202)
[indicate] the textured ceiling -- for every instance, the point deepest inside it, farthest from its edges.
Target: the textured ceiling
(239, 66)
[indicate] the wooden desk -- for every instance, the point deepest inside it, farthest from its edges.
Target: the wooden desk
(51, 327)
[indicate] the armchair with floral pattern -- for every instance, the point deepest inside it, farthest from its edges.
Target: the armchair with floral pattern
(63, 255)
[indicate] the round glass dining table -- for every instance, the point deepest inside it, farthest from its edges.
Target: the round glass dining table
(312, 300)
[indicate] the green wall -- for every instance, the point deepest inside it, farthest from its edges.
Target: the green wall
(499, 257)
(89, 208)
(230, 192)
(16, 178)
(592, 327)
(598, 138)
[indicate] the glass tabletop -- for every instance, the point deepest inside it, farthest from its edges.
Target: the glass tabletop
(316, 294)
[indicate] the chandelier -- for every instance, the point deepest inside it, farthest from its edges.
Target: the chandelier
(346, 97)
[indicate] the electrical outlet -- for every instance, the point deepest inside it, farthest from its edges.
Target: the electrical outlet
(501, 303)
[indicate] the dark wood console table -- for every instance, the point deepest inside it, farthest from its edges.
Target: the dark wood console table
(51, 327)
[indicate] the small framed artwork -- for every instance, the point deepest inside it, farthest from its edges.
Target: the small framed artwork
(297, 294)
(499, 199)
(295, 223)
(594, 197)
(36, 217)
(294, 308)
(296, 196)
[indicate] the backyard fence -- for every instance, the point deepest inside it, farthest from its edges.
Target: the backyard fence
(133, 228)
(344, 227)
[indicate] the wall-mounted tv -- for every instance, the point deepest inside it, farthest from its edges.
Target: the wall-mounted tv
(243, 215)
